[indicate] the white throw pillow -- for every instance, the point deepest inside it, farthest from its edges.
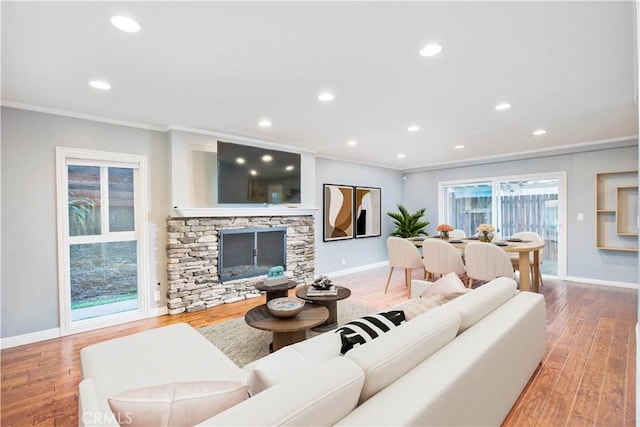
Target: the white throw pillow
(450, 285)
(176, 404)
(417, 306)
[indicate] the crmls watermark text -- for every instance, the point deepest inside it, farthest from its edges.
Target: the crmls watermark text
(101, 418)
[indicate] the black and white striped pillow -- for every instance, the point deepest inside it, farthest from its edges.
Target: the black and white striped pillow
(367, 328)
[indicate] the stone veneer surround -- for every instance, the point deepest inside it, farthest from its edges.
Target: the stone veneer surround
(192, 258)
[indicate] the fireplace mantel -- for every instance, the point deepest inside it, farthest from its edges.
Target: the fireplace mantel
(243, 212)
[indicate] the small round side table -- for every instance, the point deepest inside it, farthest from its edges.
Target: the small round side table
(276, 291)
(329, 301)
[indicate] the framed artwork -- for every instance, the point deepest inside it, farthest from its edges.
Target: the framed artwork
(368, 212)
(338, 212)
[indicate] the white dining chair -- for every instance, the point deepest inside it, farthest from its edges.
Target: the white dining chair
(440, 257)
(515, 261)
(486, 261)
(403, 254)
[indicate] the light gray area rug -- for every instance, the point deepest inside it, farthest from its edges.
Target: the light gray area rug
(244, 344)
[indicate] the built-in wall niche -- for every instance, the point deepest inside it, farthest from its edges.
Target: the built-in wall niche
(257, 175)
(194, 175)
(617, 211)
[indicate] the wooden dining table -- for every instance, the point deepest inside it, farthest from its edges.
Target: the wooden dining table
(522, 248)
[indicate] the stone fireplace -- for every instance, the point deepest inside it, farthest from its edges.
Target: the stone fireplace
(193, 250)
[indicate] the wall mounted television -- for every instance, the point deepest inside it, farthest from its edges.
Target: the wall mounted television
(248, 174)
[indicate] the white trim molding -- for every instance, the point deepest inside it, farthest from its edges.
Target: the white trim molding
(244, 211)
(599, 282)
(357, 269)
(30, 338)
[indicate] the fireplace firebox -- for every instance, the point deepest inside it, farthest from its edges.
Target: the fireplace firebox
(249, 252)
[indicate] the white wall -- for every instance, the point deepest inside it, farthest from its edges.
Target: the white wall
(583, 259)
(29, 286)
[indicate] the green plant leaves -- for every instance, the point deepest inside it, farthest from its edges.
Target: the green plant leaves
(408, 224)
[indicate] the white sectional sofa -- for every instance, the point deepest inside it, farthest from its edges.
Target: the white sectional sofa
(462, 363)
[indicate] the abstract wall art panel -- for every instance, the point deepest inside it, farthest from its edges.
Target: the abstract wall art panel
(368, 212)
(338, 212)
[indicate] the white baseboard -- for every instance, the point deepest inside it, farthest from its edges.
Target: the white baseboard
(357, 269)
(599, 282)
(29, 338)
(158, 311)
(56, 333)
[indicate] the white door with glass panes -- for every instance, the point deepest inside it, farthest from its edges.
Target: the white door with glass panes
(102, 248)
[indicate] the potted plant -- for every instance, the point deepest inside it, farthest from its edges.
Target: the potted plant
(408, 224)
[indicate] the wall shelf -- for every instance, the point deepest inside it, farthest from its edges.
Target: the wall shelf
(617, 211)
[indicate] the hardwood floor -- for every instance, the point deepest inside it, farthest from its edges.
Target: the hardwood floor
(587, 376)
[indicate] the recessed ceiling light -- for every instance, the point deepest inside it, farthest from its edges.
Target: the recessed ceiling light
(352, 143)
(253, 172)
(240, 161)
(99, 84)
(539, 132)
(503, 106)
(326, 96)
(125, 23)
(289, 168)
(264, 123)
(458, 147)
(413, 128)
(430, 50)
(267, 158)
(401, 156)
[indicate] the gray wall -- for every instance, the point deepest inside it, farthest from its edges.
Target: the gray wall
(583, 259)
(356, 252)
(29, 284)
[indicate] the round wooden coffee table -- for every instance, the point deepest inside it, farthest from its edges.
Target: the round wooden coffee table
(329, 301)
(286, 330)
(276, 291)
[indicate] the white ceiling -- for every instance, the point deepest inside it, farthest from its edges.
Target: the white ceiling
(567, 67)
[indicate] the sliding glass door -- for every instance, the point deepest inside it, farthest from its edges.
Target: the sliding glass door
(511, 204)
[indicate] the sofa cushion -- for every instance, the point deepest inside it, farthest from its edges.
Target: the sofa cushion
(326, 394)
(291, 361)
(367, 328)
(274, 368)
(475, 305)
(389, 357)
(449, 285)
(417, 306)
(176, 404)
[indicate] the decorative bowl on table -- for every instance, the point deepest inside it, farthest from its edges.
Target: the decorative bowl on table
(285, 306)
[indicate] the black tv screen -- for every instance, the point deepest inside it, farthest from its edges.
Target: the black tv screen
(249, 174)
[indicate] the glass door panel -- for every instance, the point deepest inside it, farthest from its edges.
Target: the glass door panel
(102, 243)
(468, 206)
(510, 206)
(84, 200)
(531, 205)
(121, 200)
(104, 279)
